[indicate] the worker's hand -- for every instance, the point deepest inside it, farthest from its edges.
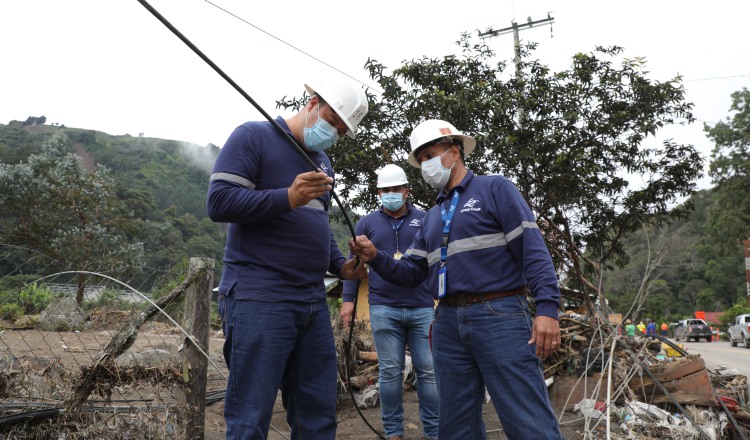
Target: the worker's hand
(354, 269)
(363, 248)
(546, 334)
(347, 310)
(308, 186)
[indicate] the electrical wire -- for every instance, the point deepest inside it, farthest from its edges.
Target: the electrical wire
(244, 94)
(289, 44)
(286, 135)
(347, 363)
(717, 77)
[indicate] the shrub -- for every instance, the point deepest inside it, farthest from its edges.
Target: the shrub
(740, 308)
(10, 312)
(34, 298)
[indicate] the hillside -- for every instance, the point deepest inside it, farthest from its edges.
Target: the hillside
(164, 182)
(691, 264)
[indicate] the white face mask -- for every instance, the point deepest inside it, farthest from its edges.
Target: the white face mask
(434, 173)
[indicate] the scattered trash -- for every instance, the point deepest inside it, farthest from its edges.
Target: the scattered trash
(589, 408)
(648, 387)
(368, 398)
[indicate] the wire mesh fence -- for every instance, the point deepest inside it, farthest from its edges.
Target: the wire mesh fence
(71, 366)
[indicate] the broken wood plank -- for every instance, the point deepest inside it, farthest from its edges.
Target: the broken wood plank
(571, 390)
(694, 388)
(680, 368)
(368, 356)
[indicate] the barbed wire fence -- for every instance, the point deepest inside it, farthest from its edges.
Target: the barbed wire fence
(95, 355)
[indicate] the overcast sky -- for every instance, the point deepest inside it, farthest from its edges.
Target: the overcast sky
(111, 66)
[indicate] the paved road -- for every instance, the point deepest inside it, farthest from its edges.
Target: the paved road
(721, 353)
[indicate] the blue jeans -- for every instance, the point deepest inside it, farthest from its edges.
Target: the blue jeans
(392, 329)
(272, 346)
(486, 344)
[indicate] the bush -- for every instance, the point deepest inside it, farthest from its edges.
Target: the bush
(740, 308)
(10, 312)
(34, 298)
(12, 284)
(109, 299)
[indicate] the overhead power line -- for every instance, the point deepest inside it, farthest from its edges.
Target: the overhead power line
(717, 77)
(290, 45)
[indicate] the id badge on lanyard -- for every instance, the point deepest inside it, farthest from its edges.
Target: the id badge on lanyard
(441, 282)
(447, 216)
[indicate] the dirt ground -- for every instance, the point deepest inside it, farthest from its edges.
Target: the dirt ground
(351, 425)
(82, 348)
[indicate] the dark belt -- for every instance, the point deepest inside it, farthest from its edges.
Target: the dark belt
(467, 299)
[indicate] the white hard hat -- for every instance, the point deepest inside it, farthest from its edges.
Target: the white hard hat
(433, 129)
(391, 175)
(347, 99)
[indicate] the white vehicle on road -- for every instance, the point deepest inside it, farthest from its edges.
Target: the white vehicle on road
(740, 331)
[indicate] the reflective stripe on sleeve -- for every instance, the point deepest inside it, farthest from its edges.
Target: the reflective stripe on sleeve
(234, 179)
(519, 230)
(315, 203)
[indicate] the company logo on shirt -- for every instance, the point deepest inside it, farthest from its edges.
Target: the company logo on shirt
(469, 206)
(324, 167)
(415, 222)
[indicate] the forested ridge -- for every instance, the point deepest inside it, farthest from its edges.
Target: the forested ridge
(162, 182)
(672, 268)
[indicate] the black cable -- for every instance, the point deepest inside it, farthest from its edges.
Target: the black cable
(29, 416)
(347, 360)
(236, 86)
(293, 141)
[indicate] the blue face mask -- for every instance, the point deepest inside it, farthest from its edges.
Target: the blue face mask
(321, 136)
(392, 201)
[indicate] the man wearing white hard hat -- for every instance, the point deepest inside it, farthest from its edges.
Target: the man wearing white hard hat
(279, 247)
(479, 248)
(399, 316)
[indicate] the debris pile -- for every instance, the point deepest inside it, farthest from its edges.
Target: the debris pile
(642, 387)
(617, 386)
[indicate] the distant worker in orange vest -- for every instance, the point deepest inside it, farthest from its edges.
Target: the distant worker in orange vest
(664, 328)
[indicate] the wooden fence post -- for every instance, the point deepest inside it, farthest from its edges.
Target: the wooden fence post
(197, 324)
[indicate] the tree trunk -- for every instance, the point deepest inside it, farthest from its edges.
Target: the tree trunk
(81, 288)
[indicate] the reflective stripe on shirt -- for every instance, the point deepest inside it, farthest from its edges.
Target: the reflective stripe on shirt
(315, 203)
(233, 178)
(474, 243)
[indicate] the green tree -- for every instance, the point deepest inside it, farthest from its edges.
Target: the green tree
(568, 139)
(54, 206)
(731, 153)
(730, 170)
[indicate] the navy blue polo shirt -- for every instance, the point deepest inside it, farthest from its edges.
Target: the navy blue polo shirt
(273, 253)
(390, 235)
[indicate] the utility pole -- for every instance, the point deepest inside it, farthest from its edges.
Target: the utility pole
(515, 27)
(746, 244)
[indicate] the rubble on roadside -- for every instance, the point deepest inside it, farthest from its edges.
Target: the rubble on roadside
(655, 389)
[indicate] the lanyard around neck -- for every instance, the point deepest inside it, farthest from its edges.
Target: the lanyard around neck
(447, 216)
(395, 227)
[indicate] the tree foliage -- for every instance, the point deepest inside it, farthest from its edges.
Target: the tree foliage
(51, 204)
(160, 184)
(730, 170)
(572, 141)
(731, 153)
(34, 120)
